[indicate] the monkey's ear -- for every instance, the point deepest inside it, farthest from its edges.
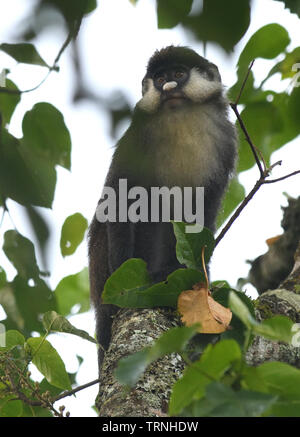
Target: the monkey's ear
(214, 69)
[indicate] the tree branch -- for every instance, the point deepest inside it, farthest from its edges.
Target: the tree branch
(283, 177)
(264, 172)
(75, 390)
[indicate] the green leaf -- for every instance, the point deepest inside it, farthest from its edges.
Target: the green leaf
(48, 362)
(286, 408)
(223, 293)
(79, 6)
(238, 331)
(222, 22)
(8, 102)
(72, 233)
(278, 328)
(281, 379)
(20, 251)
(40, 228)
(263, 121)
(32, 300)
(24, 52)
(271, 124)
(73, 11)
(45, 386)
(37, 123)
(73, 290)
(10, 407)
(235, 193)
(249, 92)
(129, 286)
(131, 277)
(253, 380)
(13, 338)
(292, 106)
(90, 6)
(131, 368)
(214, 362)
(222, 401)
(189, 245)
(292, 5)
(30, 411)
(286, 105)
(25, 177)
(267, 42)
(13, 320)
(172, 12)
(55, 322)
(241, 310)
(2, 277)
(285, 67)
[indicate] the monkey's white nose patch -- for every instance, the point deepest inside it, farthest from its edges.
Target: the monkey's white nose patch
(169, 86)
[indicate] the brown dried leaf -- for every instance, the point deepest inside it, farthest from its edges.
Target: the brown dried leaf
(197, 306)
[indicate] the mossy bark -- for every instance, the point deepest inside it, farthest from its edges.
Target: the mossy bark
(132, 330)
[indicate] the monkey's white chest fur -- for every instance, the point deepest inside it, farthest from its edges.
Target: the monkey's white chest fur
(189, 140)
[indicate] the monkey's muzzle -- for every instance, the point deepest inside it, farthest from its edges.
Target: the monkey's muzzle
(173, 99)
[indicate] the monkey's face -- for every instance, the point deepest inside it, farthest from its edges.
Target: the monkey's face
(172, 85)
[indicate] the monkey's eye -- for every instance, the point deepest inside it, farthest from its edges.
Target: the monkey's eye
(178, 74)
(160, 80)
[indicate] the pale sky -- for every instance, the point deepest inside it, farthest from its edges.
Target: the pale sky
(116, 42)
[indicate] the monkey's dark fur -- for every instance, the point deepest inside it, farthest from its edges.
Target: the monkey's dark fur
(180, 135)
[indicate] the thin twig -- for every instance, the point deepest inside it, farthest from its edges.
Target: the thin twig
(261, 157)
(282, 178)
(274, 165)
(238, 211)
(75, 390)
(244, 82)
(263, 180)
(204, 267)
(243, 127)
